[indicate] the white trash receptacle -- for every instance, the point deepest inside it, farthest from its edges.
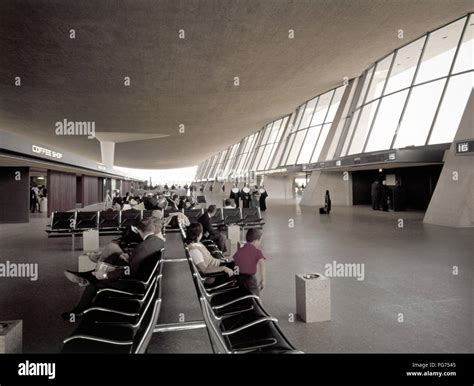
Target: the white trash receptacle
(313, 297)
(90, 239)
(11, 337)
(44, 205)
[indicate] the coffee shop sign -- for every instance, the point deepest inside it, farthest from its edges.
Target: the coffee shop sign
(46, 152)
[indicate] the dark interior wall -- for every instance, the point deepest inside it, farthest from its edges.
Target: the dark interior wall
(61, 191)
(79, 191)
(417, 184)
(14, 195)
(361, 181)
(100, 189)
(91, 190)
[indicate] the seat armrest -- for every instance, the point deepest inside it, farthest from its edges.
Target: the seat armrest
(251, 324)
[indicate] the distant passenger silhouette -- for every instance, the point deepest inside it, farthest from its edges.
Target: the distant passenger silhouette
(327, 202)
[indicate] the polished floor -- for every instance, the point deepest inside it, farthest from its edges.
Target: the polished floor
(408, 272)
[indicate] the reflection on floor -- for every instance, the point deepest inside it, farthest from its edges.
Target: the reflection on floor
(408, 270)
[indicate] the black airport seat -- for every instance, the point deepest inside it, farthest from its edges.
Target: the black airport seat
(62, 222)
(137, 286)
(130, 217)
(193, 214)
(233, 216)
(116, 338)
(252, 218)
(87, 220)
(121, 320)
(218, 218)
(109, 220)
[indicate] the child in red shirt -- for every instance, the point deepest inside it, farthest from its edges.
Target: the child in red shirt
(250, 262)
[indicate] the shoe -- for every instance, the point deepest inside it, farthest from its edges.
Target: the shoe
(75, 278)
(67, 315)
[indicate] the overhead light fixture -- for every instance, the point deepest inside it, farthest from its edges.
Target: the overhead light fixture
(380, 170)
(40, 178)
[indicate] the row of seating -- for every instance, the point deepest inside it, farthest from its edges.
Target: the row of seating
(121, 319)
(245, 217)
(105, 221)
(235, 319)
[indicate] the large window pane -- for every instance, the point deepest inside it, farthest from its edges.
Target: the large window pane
(275, 130)
(419, 114)
(265, 155)
(439, 52)
(298, 118)
(452, 108)
(308, 145)
(257, 158)
(465, 58)
(321, 141)
(347, 140)
(321, 109)
(363, 127)
(378, 80)
(336, 100)
(295, 149)
(404, 66)
(291, 139)
(386, 121)
(365, 87)
(266, 134)
(308, 113)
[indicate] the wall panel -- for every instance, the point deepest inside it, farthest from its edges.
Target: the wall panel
(14, 195)
(61, 191)
(90, 190)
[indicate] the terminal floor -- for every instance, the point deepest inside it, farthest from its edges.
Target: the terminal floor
(408, 271)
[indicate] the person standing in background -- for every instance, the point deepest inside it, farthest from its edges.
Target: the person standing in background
(327, 202)
(245, 196)
(108, 200)
(374, 193)
(255, 197)
(263, 198)
(235, 195)
(384, 196)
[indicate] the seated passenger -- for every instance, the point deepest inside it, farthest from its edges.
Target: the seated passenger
(201, 257)
(209, 231)
(228, 204)
(174, 202)
(127, 266)
(250, 262)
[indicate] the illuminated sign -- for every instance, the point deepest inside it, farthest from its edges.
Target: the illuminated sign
(101, 167)
(46, 152)
(465, 147)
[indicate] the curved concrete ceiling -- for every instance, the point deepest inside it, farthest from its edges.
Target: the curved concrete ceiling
(187, 81)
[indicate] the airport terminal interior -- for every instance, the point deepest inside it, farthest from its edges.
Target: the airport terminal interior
(245, 176)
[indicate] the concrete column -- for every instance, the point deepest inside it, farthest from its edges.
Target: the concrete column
(279, 186)
(452, 203)
(107, 150)
(339, 185)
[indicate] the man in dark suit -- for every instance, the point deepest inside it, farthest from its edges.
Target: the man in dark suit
(208, 231)
(135, 265)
